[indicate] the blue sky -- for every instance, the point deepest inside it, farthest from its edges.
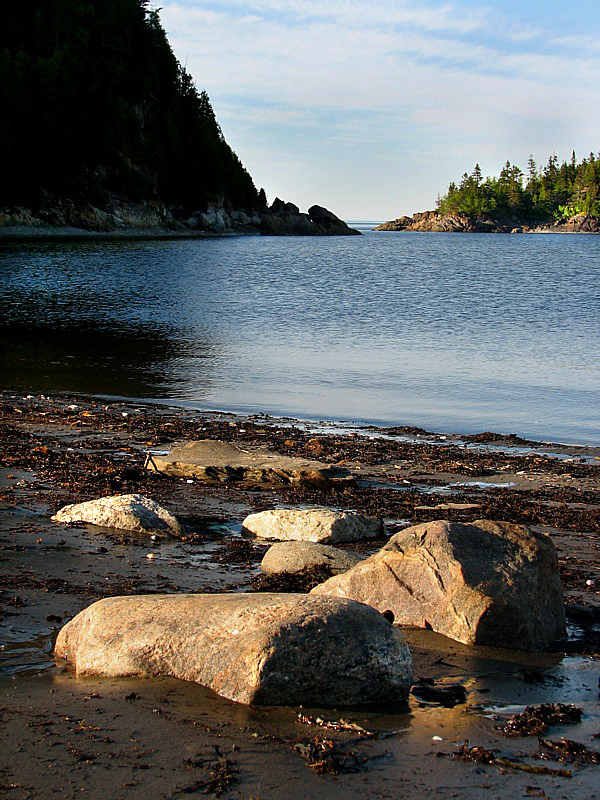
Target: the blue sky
(371, 107)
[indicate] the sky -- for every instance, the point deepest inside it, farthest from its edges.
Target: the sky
(372, 107)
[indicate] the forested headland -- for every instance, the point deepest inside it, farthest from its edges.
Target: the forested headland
(101, 127)
(557, 196)
(555, 191)
(93, 100)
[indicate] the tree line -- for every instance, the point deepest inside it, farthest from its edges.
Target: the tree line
(95, 104)
(554, 191)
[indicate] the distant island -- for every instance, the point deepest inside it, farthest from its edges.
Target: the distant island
(559, 198)
(102, 130)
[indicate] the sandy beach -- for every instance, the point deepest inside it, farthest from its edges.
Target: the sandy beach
(166, 738)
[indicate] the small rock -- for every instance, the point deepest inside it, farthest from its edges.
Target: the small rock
(295, 556)
(312, 525)
(129, 512)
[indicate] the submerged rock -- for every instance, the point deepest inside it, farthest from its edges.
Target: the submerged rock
(487, 583)
(128, 512)
(296, 556)
(312, 525)
(267, 649)
(213, 460)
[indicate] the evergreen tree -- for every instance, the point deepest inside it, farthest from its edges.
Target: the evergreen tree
(556, 191)
(94, 104)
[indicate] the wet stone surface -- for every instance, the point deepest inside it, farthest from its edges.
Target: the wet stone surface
(167, 738)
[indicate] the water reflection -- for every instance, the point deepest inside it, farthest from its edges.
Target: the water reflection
(446, 332)
(133, 361)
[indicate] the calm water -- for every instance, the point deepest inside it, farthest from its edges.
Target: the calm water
(452, 332)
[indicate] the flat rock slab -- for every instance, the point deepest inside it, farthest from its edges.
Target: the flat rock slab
(266, 649)
(212, 460)
(449, 507)
(127, 512)
(292, 557)
(312, 525)
(488, 583)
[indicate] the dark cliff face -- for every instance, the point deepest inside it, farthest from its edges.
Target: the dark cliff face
(102, 130)
(96, 107)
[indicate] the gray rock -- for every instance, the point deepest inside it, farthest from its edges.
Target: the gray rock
(267, 649)
(212, 460)
(296, 556)
(128, 512)
(312, 525)
(487, 583)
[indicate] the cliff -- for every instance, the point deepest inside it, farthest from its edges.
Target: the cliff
(102, 130)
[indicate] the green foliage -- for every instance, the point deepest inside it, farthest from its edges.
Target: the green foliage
(556, 190)
(95, 103)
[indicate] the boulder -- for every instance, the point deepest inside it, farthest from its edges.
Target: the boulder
(312, 525)
(267, 649)
(328, 224)
(128, 512)
(296, 556)
(485, 583)
(213, 460)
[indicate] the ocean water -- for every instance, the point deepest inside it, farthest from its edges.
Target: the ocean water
(451, 332)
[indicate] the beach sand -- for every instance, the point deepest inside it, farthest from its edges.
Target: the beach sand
(164, 738)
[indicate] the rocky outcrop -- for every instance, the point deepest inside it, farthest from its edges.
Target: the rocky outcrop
(285, 218)
(328, 224)
(485, 583)
(293, 557)
(212, 460)
(436, 222)
(581, 223)
(312, 525)
(127, 512)
(62, 216)
(266, 649)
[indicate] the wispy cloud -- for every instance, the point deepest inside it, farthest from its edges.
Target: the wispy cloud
(365, 71)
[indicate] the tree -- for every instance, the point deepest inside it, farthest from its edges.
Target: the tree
(94, 103)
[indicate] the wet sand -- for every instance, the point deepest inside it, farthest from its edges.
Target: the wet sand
(165, 738)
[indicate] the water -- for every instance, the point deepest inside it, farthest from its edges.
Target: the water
(452, 332)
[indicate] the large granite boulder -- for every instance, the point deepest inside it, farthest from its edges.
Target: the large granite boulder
(294, 557)
(128, 512)
(312, 525)
(212, 460)
(267, 649)
(487, 583)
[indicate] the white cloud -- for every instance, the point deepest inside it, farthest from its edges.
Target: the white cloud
(390, 76)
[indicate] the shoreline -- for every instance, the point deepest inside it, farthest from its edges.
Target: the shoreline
(95, 735)
(322, 424)
(461, 222)
(30, 234)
